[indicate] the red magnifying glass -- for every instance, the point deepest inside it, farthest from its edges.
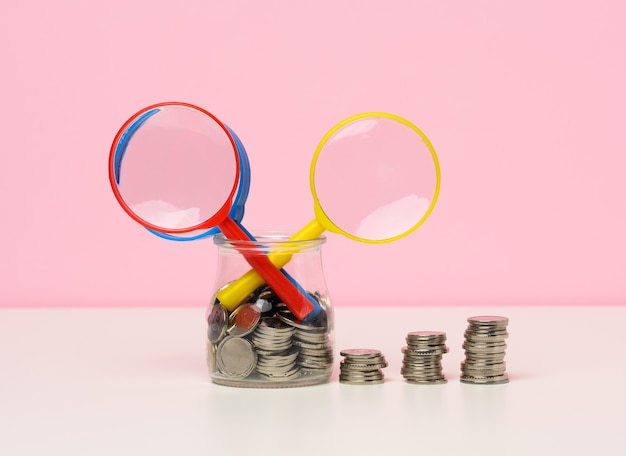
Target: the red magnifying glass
(178, 172)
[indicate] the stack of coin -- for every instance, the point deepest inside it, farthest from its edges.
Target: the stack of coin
(362, 366)
(312, 340)
(315, 350)
(484, 351)
(422, 357)
(276, 353)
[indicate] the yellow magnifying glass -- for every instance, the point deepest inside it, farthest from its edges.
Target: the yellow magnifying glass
(374, 177)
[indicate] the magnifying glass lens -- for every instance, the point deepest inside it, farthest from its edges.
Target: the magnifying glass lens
(375, 178)
(178, 170)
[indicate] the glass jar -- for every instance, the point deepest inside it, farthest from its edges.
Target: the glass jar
(254, 338)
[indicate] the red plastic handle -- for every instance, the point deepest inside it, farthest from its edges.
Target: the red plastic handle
(299, 305)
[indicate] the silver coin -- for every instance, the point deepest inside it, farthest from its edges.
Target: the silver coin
(310, 346)
(484, 362)
(426, 334)
(486, 334)
(422, 372)
(271, 345)
(313, 364)
(495, 363)
(483, 346)
(481, 355)
(274, 362)
(483, 372)
(423, 360)
(433, 337)
(361, 382)
(473, 358)
(361, 375)
(430, 352)
(439, 381)
(312, 337)
(287, 356)
(236, 357)
(280, 377)
(495, 380)
(312, 329)
(271, 336)
(488, 320)
(423, 345)
(404, 370)
(272, 324)
(361, 367)
(275, 370)
(423, 378)
(363, 359)
(490, 336)
(361, 353)
(217, 321)
(322, 356)
(271, 342)
(426, 351)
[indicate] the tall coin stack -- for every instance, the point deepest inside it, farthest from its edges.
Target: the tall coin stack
(422, 357)
(362, 366)
(485, 348)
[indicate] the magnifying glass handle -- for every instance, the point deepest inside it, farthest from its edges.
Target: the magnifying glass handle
(233, 294)
(267, 272)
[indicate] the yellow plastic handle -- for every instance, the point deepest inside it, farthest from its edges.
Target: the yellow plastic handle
(234, 293)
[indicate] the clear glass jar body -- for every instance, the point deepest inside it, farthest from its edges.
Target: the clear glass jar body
(257, 342)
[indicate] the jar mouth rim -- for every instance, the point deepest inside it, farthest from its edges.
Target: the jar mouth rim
(270, 237)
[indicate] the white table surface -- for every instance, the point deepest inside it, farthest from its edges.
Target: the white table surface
(134, 382)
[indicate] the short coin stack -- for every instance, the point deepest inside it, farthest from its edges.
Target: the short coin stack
(362, 366)
(484, 351)
(422, 357)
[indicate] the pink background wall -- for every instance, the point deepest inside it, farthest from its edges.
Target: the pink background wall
(525, 105)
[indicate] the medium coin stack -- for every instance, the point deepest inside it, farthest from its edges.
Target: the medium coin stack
(362, 366)
(484, 351)
(276, 353)
(422, 357)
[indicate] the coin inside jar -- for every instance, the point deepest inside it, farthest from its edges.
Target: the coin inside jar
(243, 319)
(236, 357)
(217, 320)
